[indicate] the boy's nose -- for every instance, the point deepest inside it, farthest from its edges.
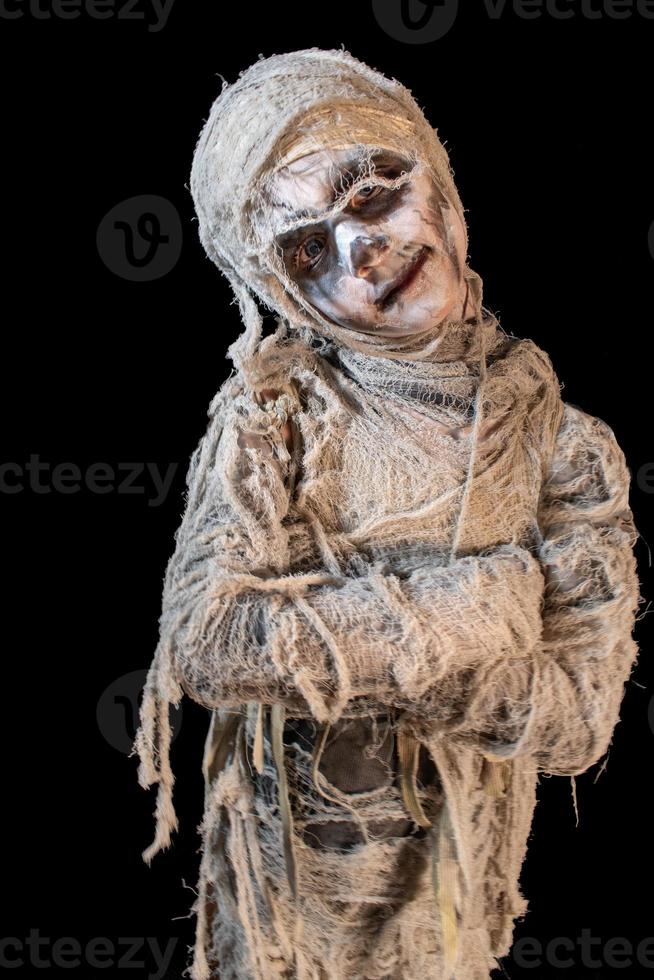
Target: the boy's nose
(366, 253)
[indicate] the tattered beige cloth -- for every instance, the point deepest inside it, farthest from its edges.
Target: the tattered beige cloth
(398, 623)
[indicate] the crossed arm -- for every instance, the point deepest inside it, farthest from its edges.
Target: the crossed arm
(561, 703)
(511, 652)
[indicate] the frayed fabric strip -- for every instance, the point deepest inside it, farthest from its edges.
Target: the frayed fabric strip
(444, 871)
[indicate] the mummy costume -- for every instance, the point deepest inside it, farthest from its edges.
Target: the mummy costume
(398, 622)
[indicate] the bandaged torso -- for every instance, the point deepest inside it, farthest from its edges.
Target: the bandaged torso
(385, 452)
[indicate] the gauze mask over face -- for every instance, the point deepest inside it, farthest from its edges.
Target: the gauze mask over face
(391, 261)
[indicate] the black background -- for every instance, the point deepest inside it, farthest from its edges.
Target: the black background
(548, 126)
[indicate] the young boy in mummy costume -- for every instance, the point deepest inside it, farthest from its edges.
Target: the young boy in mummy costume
(404, 582)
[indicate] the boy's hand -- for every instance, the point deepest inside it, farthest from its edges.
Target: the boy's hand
(271, 394)
(252, 440)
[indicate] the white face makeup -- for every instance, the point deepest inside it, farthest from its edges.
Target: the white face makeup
(391, 262)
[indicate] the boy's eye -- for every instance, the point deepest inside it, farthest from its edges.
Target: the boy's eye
(310, 251)
(366, 194)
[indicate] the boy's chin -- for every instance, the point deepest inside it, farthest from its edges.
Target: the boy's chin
(418, 317)
(415, 321)
(380, 329)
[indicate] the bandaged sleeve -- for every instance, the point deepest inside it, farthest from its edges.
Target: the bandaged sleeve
(561, 702)
(226, 580)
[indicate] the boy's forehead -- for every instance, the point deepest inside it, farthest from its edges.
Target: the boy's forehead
(311, 183)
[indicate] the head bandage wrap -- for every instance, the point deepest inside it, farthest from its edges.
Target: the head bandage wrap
(341, 126)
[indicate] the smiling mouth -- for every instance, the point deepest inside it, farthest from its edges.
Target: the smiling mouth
(403, 279)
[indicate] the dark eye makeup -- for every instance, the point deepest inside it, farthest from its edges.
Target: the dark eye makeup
(305, 247)
(305, 250)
